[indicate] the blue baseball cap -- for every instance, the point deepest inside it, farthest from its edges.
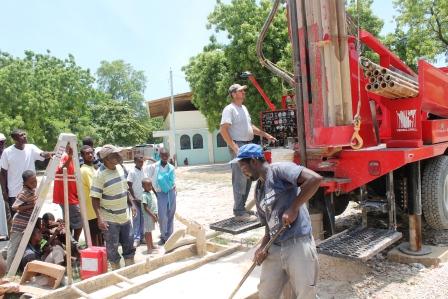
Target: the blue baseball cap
(249, 151)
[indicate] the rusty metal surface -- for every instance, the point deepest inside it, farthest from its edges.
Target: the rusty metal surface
(234, 227)
(358, 243)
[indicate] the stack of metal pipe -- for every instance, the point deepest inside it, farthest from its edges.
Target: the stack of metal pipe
(388, 83)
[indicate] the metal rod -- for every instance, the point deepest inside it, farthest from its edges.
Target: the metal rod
(391, 201)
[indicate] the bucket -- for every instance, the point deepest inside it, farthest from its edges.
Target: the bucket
(93, 261)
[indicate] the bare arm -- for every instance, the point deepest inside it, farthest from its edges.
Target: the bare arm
(263, 134)
(226, 136)
(4, 183)
(131, 190)
(309, 182)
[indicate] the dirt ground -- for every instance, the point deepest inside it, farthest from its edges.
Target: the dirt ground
(205, 194)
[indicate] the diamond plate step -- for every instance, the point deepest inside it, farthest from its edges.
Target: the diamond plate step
(234, 227)
(360, 243)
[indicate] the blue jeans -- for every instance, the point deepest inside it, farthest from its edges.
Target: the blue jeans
(119, 234)
(241, 185)
(166, 205)
(137, 222)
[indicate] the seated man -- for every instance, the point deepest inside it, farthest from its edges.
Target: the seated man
(32, 251)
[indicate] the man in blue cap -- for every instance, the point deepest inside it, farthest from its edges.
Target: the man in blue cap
(237, 129)
(281, 194)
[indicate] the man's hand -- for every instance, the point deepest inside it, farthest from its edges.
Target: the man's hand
(270, 138)
(133, 210)
(289, 216)
(260, 255)
(102, 225)
(155, 218)
(235, 148)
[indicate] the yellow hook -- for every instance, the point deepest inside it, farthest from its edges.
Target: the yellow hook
(356, 142)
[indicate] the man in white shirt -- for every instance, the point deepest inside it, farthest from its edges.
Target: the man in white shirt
(135, 179)
(15, 160)
(237, 129)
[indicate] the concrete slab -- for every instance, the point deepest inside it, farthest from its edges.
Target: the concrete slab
(438, 255)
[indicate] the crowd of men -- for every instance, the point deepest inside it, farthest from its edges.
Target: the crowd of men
(122, 206)
(281, 194)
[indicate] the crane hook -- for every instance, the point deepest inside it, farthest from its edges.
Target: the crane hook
(356, 142)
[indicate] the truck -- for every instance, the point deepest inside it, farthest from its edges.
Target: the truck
(376, 131)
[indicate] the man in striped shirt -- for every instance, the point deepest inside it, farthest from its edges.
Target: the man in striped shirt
(110, 201)
(23, 205)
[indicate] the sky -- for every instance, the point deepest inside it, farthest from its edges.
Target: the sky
(151, 35)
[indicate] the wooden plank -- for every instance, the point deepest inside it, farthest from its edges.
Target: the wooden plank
(68, 241)
(344, 62)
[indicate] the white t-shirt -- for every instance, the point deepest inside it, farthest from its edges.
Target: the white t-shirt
(16, 161)
(240, 122)
(136, 176)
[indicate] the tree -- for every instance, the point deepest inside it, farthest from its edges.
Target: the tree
(45, 96)
(422, 30)
(211, 72)
(123, 83)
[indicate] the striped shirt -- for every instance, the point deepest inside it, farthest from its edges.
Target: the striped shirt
(111, 188)
(21, 219)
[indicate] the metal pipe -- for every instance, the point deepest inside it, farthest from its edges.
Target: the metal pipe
(293, 14)
(415, 207)
(285, 75)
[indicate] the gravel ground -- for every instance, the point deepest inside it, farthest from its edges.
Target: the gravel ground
(205, 194)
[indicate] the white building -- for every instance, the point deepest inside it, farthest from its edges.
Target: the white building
(193, 139)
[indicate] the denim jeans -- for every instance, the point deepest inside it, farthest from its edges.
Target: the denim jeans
(241, 185)
(137, 223)
(119, 234)
(294, 261)
(166, 205)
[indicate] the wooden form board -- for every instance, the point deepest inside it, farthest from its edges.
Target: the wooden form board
(42, 192)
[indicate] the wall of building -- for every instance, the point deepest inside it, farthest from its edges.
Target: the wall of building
(186, 120)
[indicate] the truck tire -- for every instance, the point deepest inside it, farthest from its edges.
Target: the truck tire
(435, 192)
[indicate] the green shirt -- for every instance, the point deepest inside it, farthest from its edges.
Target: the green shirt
(111, 187)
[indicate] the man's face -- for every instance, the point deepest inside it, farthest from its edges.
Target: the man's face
(36, 237)
(164, 157)
(87, 155)
(20, 138)
(69, 150)
(249, 170)
(239, 95)
(138, 161)
(2, 144)
(113, 159)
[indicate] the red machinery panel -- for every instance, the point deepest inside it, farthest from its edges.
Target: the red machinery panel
(433, 85)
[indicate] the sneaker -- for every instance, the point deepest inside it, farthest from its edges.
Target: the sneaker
(136, 243)
(161, 242)
(246, 218)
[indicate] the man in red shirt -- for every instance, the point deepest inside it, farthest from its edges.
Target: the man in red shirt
(58, 193)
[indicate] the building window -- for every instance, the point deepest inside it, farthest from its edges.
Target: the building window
(198, 142)
(185, 142)
(220, 141)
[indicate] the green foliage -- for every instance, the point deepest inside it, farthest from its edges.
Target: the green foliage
(422, 30)
(211, 72)
(44, 95)
(115, 123)
(122, 83)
